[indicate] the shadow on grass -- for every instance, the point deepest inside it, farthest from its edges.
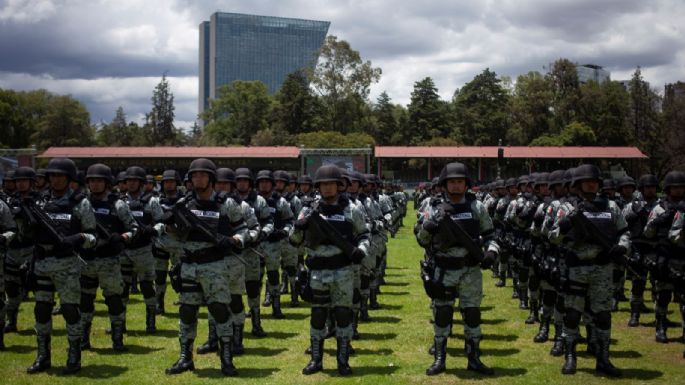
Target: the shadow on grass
(459, 351)
(365, 370)
(132, 349)
(395, 293)
(395, 268)
(387, 319)
(385, 306)
(96, 371)
(20, 349)
(362, 352)
(486, 321)
(486, 308)
(292, 316)
(378, 336)
(499, 372)
(274, 334)
(396, 284)
(264, 352)
(242, 372)
(637, 374)
(31, 332)
(492, 337)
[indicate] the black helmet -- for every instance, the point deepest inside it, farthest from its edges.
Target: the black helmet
(281, 175)
(327, 173)
(121, 176)
(356, 176)
(80, 178)
(264, 175)
(345, 176)
(293, 177)
(674, 178)
(626, 181)
(609, 184)
(305, 179)
(149, 179)
(9, 176)
(171, 175)
(99, 170)
(523, 180)
(202, 164)
(499, 183)
(40, 172)
(225, 174)
(541, 178)
(511, 182)
(135, 172)
(556, 177)
(454, 170)
(648, 180)
(568, 176)
(24, 173)
(64, 166)
(585, 172)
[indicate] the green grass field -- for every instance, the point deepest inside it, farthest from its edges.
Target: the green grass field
(393, 348)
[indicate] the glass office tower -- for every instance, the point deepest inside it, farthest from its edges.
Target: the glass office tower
(249, 47)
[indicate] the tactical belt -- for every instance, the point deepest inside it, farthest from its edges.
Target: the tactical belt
(328, 263)
(448, 263)
(40, 253)
(202, 256)
(601, 259)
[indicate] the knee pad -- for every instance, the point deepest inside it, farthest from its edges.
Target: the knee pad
(318, 320)
(252, 288)
(443, 316)
(219, 311)
(114, 304)
(188, 314)
(273, 277)
(560, 304)
(88, 282)
(343, 316)
(603, 320)
(12, 289)
(147, 289)
(356, 296)
(71, 313)
(43, 312)
(237, 304)
(638, 286)
(471, 316)
(572, 318)
(663, 298)
(365, 282)
(290, 270)
(160, 278)
(87, 303)
(549, 297)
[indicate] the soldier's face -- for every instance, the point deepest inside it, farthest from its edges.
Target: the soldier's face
(97, 185)
(200, 180)
(590, 186)
(223, 186)
(513, 190)
(292, 187)
(649, 192)
(133, 185)
(676, 193)
(40, 181)
(543, 189)
(23, 185)
(328, 189)
(59, 182)
(305, 188)
(501, 191)
(123, 186)
(354, 187)
(265, 185)
(169, 185)
(243, 185)
(280, 185)
(627, 191)
(456, 186)
(149, 186)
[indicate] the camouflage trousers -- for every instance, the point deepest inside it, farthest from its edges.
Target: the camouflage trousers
(253, 272)
(59, 275)
(204, 283)
(142, 263)
(332, 289)
(106, 274)
(468, 282)
(273, 252)
(593, 283)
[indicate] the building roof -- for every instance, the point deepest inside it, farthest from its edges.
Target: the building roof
(172, 152)
(509, 152)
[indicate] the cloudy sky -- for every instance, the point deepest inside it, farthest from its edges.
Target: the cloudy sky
(113, 53)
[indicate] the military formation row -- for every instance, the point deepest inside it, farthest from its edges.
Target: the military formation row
(215, 238)
(568, 239)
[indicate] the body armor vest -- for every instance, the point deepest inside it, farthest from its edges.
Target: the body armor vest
(138, 210)
(106, 215)
(600, 215)
(272, 201)
(462, 214)
(335, 215)
(63, 220)
(209, 213)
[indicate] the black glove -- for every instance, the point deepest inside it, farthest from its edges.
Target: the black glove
(277, 235)
(431, 225)
(662, 219)
(565, 225)
(116, 242)
(227, 243)
(488, 259)
(631, 217)
(357, 255)
(302, 224)
(73, 241)
(617, 252)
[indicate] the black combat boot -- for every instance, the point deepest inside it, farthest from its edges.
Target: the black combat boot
(227, 367)
(267, 298)
(523, 298)
(11, 325)
(634, 315)
(558, 346)
(118, 336)
(85, 337)
(364, 309)
(185, 361)
(355, 325)
(283, 289)
(570, 355)
(2, 335)
(212, 344)
(591, 347)
(256, 318)
(533, 316)
(515, 289)
(472, 347)
(159, 309)
(294, 299)
(373, 300)
(603, 364)
(316, 363)
(343, 356)
(276, 307)
(661, 327)
(150, 318)
(440, 354)
(42, 362)
(238, 348)
(73, 357)
(502, 280)
(543, 331)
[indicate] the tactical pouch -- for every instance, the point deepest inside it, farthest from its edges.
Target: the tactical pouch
(175, 277)
(303, 286)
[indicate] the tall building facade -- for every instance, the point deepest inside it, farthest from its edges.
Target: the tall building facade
(248, 47)
(592, 72)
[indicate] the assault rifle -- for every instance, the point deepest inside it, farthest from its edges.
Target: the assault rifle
(36, 217)
(449, 229)
(186, 222)
(324, 231)
(590, 232)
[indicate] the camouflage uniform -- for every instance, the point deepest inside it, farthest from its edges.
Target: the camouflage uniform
(274, 244)
(289, 255)
(166, 250)
(8, 229)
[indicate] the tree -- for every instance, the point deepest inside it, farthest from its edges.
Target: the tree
(296, 110)
(530, 108)
(66, 123)
(604, 108)
(481, 110)
(386, 124)
(118, 132)
(161, 118)
(565, 84)
(241, 110)
(427, 113)
(574, 134)
(342, 80)
(333, 139)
